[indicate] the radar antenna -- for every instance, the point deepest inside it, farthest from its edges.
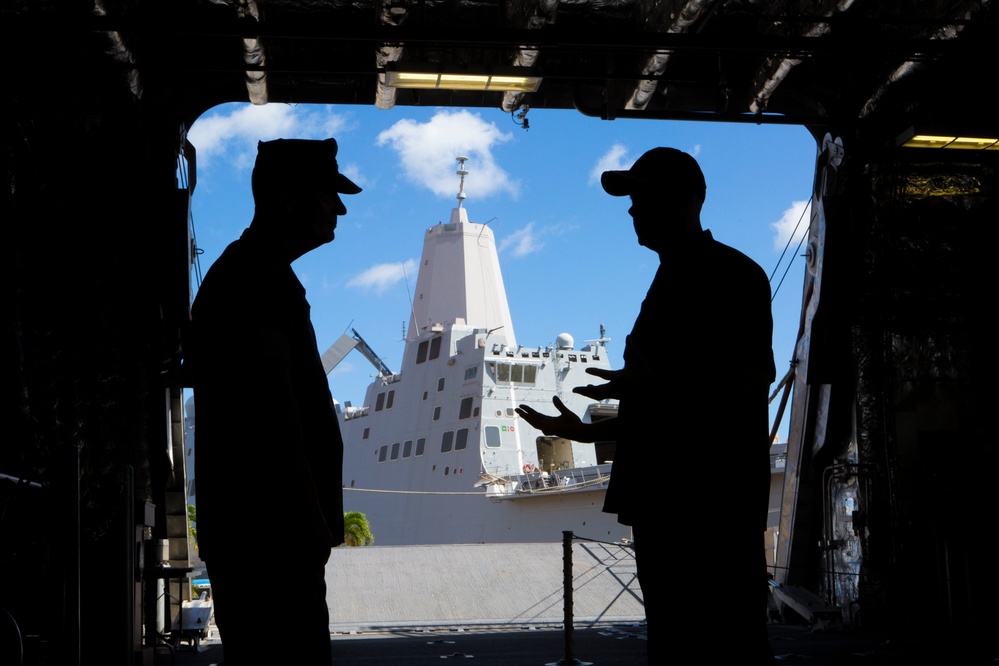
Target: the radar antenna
(603, 339)
(461, 172)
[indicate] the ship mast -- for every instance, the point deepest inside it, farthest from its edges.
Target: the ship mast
(459, 214)
(460, 280)
(461, 184)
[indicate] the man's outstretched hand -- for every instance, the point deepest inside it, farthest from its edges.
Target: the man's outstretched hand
(610, 390)
(566, 424)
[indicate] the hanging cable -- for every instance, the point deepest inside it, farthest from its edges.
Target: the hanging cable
(184, 181)
(786, 246)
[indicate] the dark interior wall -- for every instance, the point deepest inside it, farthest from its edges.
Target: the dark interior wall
(927, 287)
(88, 169)
(911, 320)
(898, 399)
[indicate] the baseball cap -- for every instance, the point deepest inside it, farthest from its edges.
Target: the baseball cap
(657, 168)
(301, 161)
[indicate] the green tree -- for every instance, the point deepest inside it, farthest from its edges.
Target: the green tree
(356, 531)
(192, 525)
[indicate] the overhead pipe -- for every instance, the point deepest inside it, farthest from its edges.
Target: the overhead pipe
(655, 65)
(780, 69)
(254, 55)
(392, 15)
(544, 14)
(947, 32)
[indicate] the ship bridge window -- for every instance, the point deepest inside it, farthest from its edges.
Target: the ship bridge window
(421, 445)
(516, 373)
(465, 410)
(421, 352)
(367, 431)
(383, 453)
(395, 451)
(390, 400)
(492, 437)
(380, 402)
(471, 372)
(407, 448)
(437, 413)
(447, 441)
(440, 384)
(461, 442)
(435, 348)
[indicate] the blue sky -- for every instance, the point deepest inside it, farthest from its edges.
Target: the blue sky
(568, 252)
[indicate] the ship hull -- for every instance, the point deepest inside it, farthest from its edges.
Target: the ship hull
(424, 519)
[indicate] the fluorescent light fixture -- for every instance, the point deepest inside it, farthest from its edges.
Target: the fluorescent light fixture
(416, 76)
(914, 139)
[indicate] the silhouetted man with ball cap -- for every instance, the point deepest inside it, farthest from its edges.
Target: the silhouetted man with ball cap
(691, 472)
(269, 451)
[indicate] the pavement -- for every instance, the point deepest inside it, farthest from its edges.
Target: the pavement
(611, 645)
(408, 615)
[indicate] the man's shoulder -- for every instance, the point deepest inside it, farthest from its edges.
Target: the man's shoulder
(735, 259)
(242, 269)
(228, 270)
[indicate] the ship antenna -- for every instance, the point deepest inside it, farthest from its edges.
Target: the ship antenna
(461, 185)
(412, 306)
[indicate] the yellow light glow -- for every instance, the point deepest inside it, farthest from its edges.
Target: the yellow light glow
(463, 82)
(504, 83)
(411, 80)
(971, 143)
(516, 83)
(951, 142)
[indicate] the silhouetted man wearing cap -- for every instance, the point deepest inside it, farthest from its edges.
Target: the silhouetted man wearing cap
(269, 452)
(691, 471)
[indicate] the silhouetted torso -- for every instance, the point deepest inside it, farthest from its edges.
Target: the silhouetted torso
(265, 419)
(694, 421)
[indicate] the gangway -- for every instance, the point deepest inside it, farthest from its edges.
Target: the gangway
(346, 342)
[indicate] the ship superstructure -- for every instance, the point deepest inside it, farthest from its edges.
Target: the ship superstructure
(437, 453)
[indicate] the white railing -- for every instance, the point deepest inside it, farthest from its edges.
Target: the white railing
(576, 479)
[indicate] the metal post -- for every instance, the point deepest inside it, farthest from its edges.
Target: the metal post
(567, 604)
(567, 594)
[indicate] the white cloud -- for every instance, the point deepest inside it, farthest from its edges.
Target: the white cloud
(232, 132)
(382, 276)
(794, 221)
(353, 171)
(522, 242)
(615, 159)
(428, 151)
